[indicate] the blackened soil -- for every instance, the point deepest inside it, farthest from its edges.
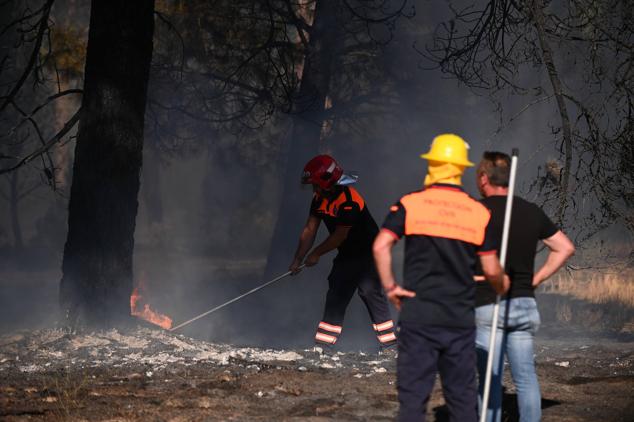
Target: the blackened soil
(156, 376)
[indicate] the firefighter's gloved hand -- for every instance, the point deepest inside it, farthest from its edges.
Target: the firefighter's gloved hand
(311, 260)
(396, 295)
(295, 267)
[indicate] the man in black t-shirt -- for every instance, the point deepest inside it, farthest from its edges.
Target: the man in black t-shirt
(519, 317)
(351, 231)
(446, 232)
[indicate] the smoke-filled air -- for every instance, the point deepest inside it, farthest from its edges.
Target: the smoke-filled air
(317, 210)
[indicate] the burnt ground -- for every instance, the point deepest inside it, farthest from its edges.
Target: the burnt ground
(150, 374)
(584, 354)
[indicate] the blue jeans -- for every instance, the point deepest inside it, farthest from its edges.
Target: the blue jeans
(517, 324)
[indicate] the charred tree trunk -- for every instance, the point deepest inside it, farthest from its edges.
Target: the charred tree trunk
(152, 187)
(537, 16)
(310, 113)
(97, 265)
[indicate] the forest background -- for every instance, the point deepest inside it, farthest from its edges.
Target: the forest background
(198, 116)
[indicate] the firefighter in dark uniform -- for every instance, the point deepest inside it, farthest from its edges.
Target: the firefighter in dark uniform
(351, 230)
(446, 232)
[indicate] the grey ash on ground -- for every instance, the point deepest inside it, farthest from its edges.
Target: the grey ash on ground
(148, 374)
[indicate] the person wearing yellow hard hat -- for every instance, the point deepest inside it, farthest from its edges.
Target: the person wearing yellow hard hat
(448, 158)
(447, 232)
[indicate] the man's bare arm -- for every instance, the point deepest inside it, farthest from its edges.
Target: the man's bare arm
(306, 240)
(494, 273)
(561, 248)
(382, 250)
(333, 241)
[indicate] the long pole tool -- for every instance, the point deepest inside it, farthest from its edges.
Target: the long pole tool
(235, 299)
(496, 308)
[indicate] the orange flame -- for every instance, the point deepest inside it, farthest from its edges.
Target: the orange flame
(147, 313)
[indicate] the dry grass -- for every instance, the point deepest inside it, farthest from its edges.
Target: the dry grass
(595, 287)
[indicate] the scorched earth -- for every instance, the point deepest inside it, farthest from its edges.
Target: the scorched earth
(147, 374)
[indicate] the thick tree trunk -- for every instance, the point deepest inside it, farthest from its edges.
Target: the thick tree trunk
(152, 187)
(97, 265)
(308, 120)
(538, 18)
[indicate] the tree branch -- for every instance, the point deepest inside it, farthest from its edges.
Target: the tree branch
(29, 117)
(34, 54)
(44, 148)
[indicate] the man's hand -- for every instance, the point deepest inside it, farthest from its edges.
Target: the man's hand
(506, 285)
(295, 267)
(312, 259)
(306, 240)
(396, 293)
(494, 273)
(503, 287)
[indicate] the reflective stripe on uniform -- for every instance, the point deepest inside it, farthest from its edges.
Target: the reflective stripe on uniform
(332, 328)
(325, 338)
(383, 326)
(386, 338)
(491, 252)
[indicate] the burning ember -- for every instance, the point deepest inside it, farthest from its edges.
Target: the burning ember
(146, 312)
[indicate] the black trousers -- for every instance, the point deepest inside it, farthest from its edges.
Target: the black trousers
(346, 278)
(422, 352)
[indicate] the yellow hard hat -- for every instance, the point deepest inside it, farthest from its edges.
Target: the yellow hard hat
(449, 148)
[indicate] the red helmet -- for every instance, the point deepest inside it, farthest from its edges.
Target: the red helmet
(322, 171)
